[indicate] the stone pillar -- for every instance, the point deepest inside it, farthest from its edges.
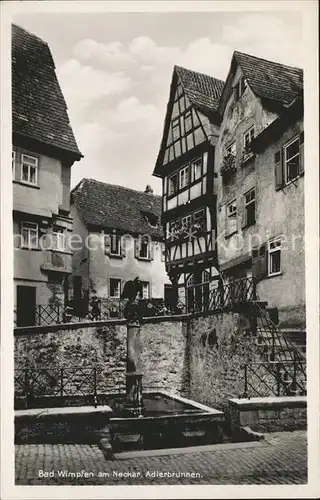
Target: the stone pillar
(134, 403)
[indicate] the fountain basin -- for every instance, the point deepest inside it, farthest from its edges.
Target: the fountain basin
(168, 421)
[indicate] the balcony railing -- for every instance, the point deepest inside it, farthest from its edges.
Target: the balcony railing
(223, 297)
(55, 260)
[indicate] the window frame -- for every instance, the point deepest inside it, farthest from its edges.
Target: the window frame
(29, 229)
(141, 295)
(118, 280)
(228, 151)
(29, 165)
(174, 192)
(182, 170)
(272, 251)
(248, 131)
(58, 232)
(117, 238)
(286, 160)
(193, 163)
(141, 241)
(246, 204)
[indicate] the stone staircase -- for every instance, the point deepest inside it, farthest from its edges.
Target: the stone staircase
(282, 370)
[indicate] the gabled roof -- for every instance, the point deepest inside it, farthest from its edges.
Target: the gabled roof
(203, 91)
(39, 110)
(269, 80)
(116, 207)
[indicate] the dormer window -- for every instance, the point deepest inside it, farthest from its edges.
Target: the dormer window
(152, 219)
(239, 88)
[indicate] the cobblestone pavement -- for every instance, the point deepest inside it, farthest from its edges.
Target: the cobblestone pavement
(280, 459)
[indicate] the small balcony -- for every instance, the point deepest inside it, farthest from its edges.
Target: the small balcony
(55, 260)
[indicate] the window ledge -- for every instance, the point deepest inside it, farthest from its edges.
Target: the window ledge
(147, 259)
(34, 186)
(246, 226)
(230, 234)
(32, 249)
(246, 158)
(115, 256)
(272, 275)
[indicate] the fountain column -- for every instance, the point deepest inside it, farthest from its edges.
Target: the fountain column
(134, 403)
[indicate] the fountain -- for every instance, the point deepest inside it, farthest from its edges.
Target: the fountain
(149, 420)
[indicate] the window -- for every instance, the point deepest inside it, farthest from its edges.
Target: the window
(188, 121)
(59, 239)
(115, 288)
(175, 129)
(274, 264)
(231, 217)
(231, 150)
(186, 221)
(29, 232)
(196, 169)
(184, 177)
(172, 184)
(250, 207)
(144, 294)
(247, 138)
(115, 244)
(239, 88)
(144, 248)
(29, 169)
(291, 160)
(199, 221)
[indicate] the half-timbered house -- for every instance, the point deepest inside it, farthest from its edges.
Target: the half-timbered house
(186, 165)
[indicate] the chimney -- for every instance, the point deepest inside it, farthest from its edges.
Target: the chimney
(148, 189)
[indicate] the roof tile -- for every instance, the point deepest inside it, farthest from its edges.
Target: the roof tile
(116, 207)
(39, 110)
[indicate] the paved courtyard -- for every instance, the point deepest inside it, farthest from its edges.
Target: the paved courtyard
(280, 459)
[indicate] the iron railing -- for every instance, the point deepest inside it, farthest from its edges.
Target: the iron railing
(204, 300)
(272, 379)
(33, 383)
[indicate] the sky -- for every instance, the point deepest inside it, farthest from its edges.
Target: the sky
(115, 71)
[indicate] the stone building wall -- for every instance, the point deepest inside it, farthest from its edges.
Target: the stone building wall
(180, 355)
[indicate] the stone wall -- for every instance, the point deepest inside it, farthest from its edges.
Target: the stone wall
(201, 358)
(164, 344)
(219, 345)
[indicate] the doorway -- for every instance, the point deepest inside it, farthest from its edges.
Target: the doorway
(26, 305)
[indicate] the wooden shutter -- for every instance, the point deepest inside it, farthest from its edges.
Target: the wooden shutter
(123, 247)
(136, 247)
(263, 261)
(260, 262)
(151, 248)
(278, 167)
(301, 156)
(107, 244)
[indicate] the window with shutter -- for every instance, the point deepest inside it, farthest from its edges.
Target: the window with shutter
(278, 167)
(107, 244)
